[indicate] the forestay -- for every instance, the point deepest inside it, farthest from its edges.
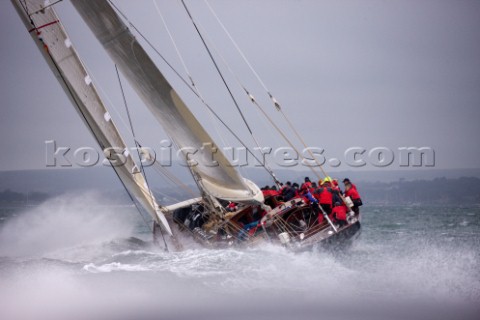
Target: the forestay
(45, 28)
(212, 170)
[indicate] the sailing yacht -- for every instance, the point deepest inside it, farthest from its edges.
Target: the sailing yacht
(292, 223)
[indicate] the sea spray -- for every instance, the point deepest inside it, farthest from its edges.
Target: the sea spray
(398, 265)
(68, 221)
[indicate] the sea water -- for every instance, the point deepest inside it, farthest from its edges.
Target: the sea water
(72, 258)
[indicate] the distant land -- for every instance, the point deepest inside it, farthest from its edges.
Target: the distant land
(377, 187)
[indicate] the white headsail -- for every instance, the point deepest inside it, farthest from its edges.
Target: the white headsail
(218, 178)
(45, 28)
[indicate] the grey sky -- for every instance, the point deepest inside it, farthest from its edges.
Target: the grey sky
(349, 73)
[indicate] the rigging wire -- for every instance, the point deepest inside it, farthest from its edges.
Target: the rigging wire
(154, 203)
(227, 86)
(275, 103)
(105, 94)
(255, 102)
(162, 171)
(172, 178)
(76, 103)
(193, 84)
(236, 45)
(191, 89)
(226, 64)
(222, 137)
(176, 72)
(142, 169)
(272, 98)
(219, 71)
(126, 106)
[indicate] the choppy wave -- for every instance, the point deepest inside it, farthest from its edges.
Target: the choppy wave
(399, 259)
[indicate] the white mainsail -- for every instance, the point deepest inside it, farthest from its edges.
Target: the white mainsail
(57, 49)
(219, 179)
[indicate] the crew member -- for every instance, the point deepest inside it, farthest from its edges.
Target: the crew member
(339, 214)
(288, 192)
(324, 194)
(232, 207)
(337, 193)
(296, 187)
(270, 192)
(306, 186)
(352, 192)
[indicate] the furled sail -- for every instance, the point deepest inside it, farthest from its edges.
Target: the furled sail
(52, 40)
(212, 170)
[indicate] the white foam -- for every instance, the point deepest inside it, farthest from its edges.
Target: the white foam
(62, 224)
(114, 266)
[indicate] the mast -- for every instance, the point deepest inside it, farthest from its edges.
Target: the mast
(216, 176)
(51, 38)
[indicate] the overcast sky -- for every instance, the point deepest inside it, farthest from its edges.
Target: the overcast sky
(348, 73)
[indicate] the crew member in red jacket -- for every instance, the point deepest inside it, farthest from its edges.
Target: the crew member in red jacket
(324, 194)
(339, 213)
(269, 192)
(306, 186)
(351, 191)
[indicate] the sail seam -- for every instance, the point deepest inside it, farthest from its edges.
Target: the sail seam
(43, 26)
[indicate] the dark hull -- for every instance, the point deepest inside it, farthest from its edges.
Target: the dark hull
(344, 238)
(335, 241)
(284, 229)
